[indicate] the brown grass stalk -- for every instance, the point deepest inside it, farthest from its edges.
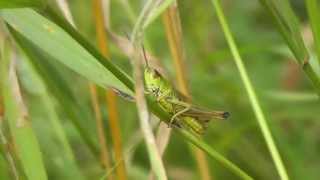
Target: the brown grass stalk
(172, 24)
(110, 95)
(104, 154)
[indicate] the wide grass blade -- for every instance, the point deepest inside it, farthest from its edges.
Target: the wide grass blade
(20, 126)
(57, 43)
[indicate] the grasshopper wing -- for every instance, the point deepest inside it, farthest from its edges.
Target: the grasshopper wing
(204, 115)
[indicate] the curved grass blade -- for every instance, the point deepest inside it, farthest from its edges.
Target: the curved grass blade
(57, 43)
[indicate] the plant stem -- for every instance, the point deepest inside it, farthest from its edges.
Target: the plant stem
(172, 24)
(251, 93)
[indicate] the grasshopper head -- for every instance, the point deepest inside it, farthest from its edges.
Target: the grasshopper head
(152, 79)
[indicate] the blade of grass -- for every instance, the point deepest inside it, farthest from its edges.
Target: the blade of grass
(314, 18)
(172, 24)
(19, 124)
(251, 93)
(110, 95)
(288, 26)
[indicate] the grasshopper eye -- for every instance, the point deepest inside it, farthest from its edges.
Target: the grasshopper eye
(155, 73)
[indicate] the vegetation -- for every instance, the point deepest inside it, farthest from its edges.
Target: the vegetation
(73, 105)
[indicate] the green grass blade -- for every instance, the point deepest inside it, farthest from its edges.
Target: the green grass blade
(314, 18)
(20, 126)
(289, 28)
(57, 43)
(21, 3)
(251, 93)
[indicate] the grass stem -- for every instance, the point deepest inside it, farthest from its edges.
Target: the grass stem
(251, 93)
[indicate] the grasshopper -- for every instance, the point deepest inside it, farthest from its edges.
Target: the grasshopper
(183, 114)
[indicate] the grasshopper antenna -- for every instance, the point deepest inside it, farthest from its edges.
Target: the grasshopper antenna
(145, 56)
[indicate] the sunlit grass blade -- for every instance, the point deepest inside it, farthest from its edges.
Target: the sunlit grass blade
(25, 141)
(251, 93)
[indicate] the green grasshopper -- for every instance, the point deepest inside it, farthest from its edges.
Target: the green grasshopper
(170, 100)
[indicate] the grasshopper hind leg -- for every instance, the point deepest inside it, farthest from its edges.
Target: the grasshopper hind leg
(178, 114)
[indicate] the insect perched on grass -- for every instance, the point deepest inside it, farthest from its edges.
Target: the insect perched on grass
(184, 115)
